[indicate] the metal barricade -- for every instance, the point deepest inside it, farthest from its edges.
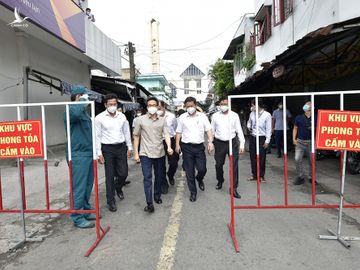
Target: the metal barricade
(100, 232)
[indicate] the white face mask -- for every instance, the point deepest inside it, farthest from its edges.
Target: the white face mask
(152, 110)
(160, 113)
(224, 108)
(253, 108)
(191, 110)
(280, 107)
(111, 109)
(138, 114)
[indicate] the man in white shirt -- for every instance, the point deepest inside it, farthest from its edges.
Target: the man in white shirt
(113, 145)
(264, 121)
(190, 131)
(173, 159)
(220, 127)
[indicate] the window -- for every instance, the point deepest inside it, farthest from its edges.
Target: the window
(282, 9)
(198, 91)
(262, 28)
(186, 83)
(186, 91)
(198, 84)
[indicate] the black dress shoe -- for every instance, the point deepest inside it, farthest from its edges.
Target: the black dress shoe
(172, 181)
(192, 197)
(120, 194)
(236, 194)
(219, 185)
(112, 206)
(310, 181)
(149, 208)
(127, 182)
(299, 181)
(164, 189)
(201, 185)
(158, 201)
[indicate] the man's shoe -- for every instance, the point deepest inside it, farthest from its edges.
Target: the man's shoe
(192, 197)
(149, 208)
(310, 181)
(91, 216)
(236, 194)
(127, 182)
(219, 185)
(112, 206)
(172, 181)
(299, 181)
(164, 189)
(120, 194)
(85, 224)
(201, 185)
(158, 201)
(278, 155)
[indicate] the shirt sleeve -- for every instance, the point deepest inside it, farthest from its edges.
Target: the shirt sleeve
(179, 128)
(207, 124)
(174, 122)
(268, 128)
(126, 131)
(137, 128)
(213, 124)
(239, 131)
(248, 124)
(98, 135)
(288, 113)
(296, 123)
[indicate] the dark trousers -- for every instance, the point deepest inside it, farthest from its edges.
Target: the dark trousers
(172, 162)
(147, 166)
(262, 152)
(115, 156)
(279, 141)
(221, 151)
(194, 158)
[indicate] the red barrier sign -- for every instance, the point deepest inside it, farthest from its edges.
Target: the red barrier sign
(338, 130)
(21, 139)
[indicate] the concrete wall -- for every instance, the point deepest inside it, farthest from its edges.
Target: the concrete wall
(19, 49)
(308, 15)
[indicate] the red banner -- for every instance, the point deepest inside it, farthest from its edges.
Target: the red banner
(21, 139)
(338, 130)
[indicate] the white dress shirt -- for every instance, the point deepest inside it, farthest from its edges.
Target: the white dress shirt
(112, 130)
(192, 128)
(171, 123)
(265, 124)
(220, 126)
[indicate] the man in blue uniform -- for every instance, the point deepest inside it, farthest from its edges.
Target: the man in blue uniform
(82, 157)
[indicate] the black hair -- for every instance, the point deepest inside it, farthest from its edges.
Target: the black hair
(180, 112)
(260, 103)
(222, 98)
(73, 97)
(162, 103)
(154, 99)
(88, 9)
(190, 99)
(109, 97)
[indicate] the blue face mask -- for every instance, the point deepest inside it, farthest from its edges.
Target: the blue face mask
(306, 108)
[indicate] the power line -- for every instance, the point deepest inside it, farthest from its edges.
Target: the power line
(11, 86)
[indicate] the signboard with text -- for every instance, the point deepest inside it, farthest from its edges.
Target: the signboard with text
(63, 18)
(338, 130)
(21, 139)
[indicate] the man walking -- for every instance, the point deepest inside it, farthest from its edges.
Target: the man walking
(190, 131)
(278, 127)
(173, 159)
(222, 134)
(113, 146)
(81, 157)
(263, 123)
(302, 142)
(151, 129)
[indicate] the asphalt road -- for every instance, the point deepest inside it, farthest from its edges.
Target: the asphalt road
(185, 235)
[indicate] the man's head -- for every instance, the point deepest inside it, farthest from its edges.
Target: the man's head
(110, 102)
(224, 104)
(280, 105)
(152, 104)
(190, 105)
(161, 108)
(307, 106)
(260, 104)
(88, 10)
(77, 91)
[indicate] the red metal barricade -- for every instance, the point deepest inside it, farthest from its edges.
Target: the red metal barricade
(286, 205)
(100, 232)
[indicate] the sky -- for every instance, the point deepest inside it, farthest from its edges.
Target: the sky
(206, 26)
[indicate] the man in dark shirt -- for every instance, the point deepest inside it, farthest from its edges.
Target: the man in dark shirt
(302, 142)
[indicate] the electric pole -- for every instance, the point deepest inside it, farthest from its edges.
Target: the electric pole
(131, 50)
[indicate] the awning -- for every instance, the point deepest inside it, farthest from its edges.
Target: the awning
(231, 51)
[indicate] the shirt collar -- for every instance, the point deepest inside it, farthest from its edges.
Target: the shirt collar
(108, 114)
(150, 116)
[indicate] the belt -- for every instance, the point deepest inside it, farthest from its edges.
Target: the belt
(193, 143)
(225, 141)
(113, 144)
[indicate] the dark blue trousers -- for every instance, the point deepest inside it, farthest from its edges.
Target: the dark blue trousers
(147, 166)
(194, 158)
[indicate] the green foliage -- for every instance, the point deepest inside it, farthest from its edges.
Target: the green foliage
(223, 75)
(249, 60)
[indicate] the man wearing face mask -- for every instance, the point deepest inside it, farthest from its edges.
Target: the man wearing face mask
(263, 123)
(113, 146)
(278, 127)
(174, 158)
(152, 129)
(81, 157)
(302, 142)
(220, 127)
(190, 131)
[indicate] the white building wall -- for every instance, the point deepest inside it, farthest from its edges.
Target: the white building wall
(308, 16)
(180, 93)
(17, 51)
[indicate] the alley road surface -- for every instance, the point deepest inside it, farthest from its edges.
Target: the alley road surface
(185, 235)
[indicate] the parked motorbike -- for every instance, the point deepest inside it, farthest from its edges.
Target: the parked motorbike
(353, 162)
